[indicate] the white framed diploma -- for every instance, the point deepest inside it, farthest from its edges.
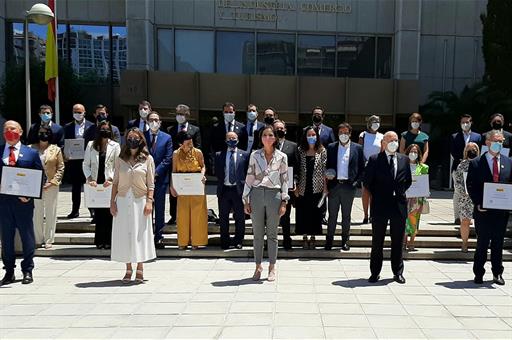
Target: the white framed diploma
(420, 187)
(188, 184)
(290, 178)
(504, 151)
(97, 197)
(21, 182)
(497, 196)
(74, 148)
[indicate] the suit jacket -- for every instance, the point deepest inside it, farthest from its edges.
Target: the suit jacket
(291, 151)
(218, 139)
(507, 143)
(326, 135)
(57, 131)
(90, 134)
(133, 123)
(69, 130)
(242, 163)
(91, 160)
(192, 130)
(457, 145)
(27, 158)
(256, 135)
(53, 164)
(479, 173)
(382, 186)
(355, 163)
(162, 155)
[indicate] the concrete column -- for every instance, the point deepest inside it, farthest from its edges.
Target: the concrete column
(407, 39)
(140, 18)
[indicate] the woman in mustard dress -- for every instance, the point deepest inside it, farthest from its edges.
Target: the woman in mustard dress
(192, 219)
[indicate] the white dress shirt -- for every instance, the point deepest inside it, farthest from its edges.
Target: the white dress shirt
(79, 129)
(467, 136)
(183, 127)
(7, 151)
(226, 171)
(395, 161)
(143, 125)
(227, 126)
(490, 161)
(251, 134)
(343, 160)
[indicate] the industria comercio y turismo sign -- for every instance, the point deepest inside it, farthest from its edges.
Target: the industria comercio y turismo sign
(253, 10)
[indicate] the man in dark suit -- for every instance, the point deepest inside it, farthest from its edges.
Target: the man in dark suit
(347, 161)
(17, 212)
(388, 176)
(182, 117)
(101, 115)
(229, 124)
(76, 130)
(497, 122)
(142, 121)
(45, 116)
(290, 149)
(231, 168)
(160, 148)
(253, 128)
(326, 133)
(490, 224)
(458, 142)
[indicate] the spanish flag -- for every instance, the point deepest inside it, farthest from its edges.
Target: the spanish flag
(51, 63)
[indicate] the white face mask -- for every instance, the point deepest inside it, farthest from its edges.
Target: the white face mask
(375, 126)
(154, 126)
(465, 126)
(143, 113)
(78, 117)
(392, 146)
(229, 117)
(415, 125)
(413, 156)
(252, 115)
(344, 138)
(181, 119)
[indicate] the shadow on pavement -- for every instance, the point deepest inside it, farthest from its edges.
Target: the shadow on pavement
(352, 283)
(103, 284)
(466, 284)
(235, 283)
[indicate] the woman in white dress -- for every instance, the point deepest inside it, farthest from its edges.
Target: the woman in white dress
(131, 205)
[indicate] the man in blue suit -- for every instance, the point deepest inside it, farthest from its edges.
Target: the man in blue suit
(253, 127)
(458, 142)
(17, 212)
(490, 224)
(45, 116)
(160, 148)
(231, 168)
(347, 161)
(326, 133)
(141, 122)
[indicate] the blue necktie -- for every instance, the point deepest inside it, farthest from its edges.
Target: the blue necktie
(232, 172)
(250, 126)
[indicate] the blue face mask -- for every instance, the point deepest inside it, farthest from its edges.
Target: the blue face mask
(496, 147)
(232, 143)
(311, 140)
(46, 117)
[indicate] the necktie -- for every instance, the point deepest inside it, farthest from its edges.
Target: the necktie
(182, 128)
(495, 171)
(392, 165)
(232, 172)
(145, 127)
(230, 125)
(249, 128)
(12, 157)
(153, 140)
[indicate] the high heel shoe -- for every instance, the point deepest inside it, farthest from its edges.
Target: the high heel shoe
(128, 276)
(271, 275)
(257, 274)
(139, 277)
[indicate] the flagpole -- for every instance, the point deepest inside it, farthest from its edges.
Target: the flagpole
(57, 96)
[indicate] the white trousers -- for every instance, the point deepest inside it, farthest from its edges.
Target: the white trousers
(45, 216)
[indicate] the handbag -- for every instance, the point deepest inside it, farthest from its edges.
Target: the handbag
(425, 209)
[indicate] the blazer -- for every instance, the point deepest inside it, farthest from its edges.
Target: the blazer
(91, 160)
(192, 130)
(53, 164)
(457, 145)
(480, 173)
(383, 187)
(291, 151)
(355, 163)
(326, 135)
(57, 132)
(90, 133)
(162, 155)
(218, 138)
(242, 163)
(69, 129)
(134, 123)
(256, 143)
(318, 171)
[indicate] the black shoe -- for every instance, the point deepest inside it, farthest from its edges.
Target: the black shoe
(328, 243)
(171, 221)
(160, 244)
(324, 221)
(478, 280)
(365, 220)
(374, 278)
(74, 214)
(8, 278)
(498, 280)
(27, 278)
(345, 247)
(399, 278)
(457, 221)
(287, 244)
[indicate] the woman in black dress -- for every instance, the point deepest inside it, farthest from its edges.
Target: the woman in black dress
(310, 187)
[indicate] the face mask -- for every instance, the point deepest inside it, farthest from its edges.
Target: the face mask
(101, 118)
(472, 154)
(496, 147)
(143, 113)
(133, 143)
(317, 119)
(46, 117)
(465, 126)
(154, 126)
(12, 136)
(344, 138)
(78, 117)
(252, 115)
(413, 156)
(280, 133)
(105, 133)
(497, 125)
(44, 137)
(311, 140)
(232, 143)
(392, 146)
(269, 120)
(181, 119)
(415, 125)
(375, 126)
(229, 117)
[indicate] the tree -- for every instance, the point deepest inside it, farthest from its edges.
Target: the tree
(497, 44)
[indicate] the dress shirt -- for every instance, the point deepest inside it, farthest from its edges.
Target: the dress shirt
(394, 159)
(143, 125)
(226, 123)
(467, 136)
(250, 133)
(343, 160)
(7, 151)
(490, 161)
(79, 129)
(183, 127)
(226, 171)
(140, 177)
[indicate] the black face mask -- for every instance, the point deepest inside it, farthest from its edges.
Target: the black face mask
(105, 133)
(101, 118)
(269, 120)
(44, 137)
(317, 119)
(497, 125)
(472, 154)
(133, 143)
(280, 133)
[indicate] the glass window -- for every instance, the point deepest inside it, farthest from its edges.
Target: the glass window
(194, 51)
(384, 51)
(356, 57)
(119, 49)
(37, 42)
(165, 50)
(83, 61)
(276, 54)
(316, 55)
(235, 52)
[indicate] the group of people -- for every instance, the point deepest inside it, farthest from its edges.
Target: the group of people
(260, 172)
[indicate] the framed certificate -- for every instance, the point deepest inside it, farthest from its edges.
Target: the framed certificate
(420, 187)
(21, 182)
(74, 148)
(504, 151)
(497, 196)
(97, 197)
(188, 184)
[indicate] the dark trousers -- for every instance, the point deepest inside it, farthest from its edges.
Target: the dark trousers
(173, 205)
(103, 230)
(159, 204)
(397, 230)
(342, 195)
(284, 222)
(76, 176)
(231, 199)
(17, 215)
(490, 228)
